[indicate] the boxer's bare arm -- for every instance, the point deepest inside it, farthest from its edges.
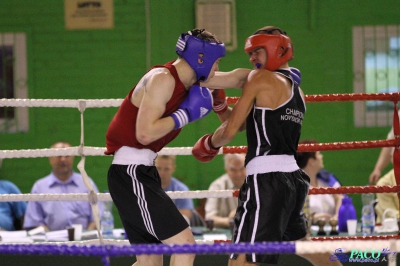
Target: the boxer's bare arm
(232, 79)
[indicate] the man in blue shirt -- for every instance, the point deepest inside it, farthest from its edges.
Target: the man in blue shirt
(58, 215)
(166, 167)
(11, 213)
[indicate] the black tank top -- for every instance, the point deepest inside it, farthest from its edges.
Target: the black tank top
(277, 131)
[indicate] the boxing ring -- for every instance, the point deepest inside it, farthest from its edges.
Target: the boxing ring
(106, 248)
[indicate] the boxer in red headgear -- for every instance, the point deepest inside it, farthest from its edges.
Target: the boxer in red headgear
(271, 109)
(278, 46)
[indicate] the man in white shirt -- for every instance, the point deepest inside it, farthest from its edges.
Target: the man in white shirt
(222, 210)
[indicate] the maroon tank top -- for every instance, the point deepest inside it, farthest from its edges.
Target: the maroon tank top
(122, 129)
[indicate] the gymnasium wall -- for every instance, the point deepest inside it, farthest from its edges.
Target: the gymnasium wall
(102, 64)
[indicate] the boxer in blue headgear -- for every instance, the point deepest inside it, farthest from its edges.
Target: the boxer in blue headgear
(165, 99)
(200, 54)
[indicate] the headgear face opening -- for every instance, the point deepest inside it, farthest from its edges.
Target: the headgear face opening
(279, 48)
(200, 55)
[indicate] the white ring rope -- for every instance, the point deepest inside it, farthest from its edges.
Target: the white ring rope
(197, 194)
(312, 247)
(78, 151)
(60, 103)
(116, 242)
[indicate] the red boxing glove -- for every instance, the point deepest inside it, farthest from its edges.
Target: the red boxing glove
(203, 149)
(220, 104)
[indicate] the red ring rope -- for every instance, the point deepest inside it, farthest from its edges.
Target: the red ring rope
(343, 97)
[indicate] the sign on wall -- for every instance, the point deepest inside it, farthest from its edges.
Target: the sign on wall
(96, 14)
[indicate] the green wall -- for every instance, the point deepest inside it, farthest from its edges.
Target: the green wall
(102, 64)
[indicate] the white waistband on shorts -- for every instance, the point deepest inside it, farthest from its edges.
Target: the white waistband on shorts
(128, 155)
(271, 163)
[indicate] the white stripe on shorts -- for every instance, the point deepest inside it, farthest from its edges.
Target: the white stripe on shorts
(240, 228)
(138, 190)
(257, 215)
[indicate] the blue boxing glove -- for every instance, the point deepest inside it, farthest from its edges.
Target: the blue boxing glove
(295, 74)
(197, 104)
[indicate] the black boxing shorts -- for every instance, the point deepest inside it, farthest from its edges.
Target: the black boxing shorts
(147, 213)
(271, 209)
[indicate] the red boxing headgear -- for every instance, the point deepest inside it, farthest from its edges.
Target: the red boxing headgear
(279, 48)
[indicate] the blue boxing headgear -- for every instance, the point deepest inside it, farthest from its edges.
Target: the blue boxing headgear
(200, 55)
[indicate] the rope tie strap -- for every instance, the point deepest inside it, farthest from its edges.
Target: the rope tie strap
(92, 198)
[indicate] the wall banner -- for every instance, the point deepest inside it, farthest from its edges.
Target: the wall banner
(81, 14)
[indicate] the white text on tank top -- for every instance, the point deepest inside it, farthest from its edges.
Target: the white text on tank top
(275, 131)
